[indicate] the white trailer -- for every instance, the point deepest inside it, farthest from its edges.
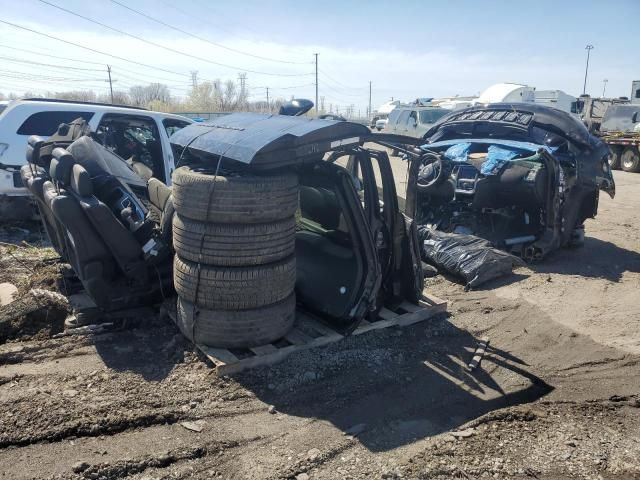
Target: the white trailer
(507, 92)
(557, 99)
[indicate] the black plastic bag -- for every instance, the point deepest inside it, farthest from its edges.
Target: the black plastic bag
(467, 256)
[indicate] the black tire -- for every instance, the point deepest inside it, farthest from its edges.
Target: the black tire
(234, 288)
(234, 245)
(236, 329)
(240, 199)
(614, 157)
(630, 160)
(577, 237)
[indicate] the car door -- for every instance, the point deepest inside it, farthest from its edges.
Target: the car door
(395, 234)
(331, 223)
(401, 124)
(412, 124)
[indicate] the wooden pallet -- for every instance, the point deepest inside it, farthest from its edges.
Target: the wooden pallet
(310, 331)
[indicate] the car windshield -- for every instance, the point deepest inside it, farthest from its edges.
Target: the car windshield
(172, 126)
(432, 115)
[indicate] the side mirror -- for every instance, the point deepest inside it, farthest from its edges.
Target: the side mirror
(634, 117)
(296, 107)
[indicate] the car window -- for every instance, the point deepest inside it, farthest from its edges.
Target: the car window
(402, 119)
(46, 124)
(432, 115)
(171, 125)
(393, 117)
(412, 121)
(136, 139)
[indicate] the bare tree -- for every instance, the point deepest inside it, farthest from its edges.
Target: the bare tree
(77, 95)
(141, 95)
(230, 97)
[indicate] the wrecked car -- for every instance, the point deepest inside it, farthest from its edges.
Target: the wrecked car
(524, 177)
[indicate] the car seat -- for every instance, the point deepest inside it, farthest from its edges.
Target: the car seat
(118, 239)
(86, 252)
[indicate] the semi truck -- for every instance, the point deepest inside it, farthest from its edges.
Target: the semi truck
(617, 122)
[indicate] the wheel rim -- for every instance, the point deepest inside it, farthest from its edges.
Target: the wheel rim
(628, 159)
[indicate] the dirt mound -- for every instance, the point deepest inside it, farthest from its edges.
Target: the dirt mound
(36, 314)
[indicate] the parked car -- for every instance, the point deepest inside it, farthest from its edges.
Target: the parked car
(413, 121)
(135, 134)
(524, 176)
(380, 123)
(332, 116)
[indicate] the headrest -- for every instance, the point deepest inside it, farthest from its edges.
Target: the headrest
(321, 206)
(35, 140)
(81, 181)
(61, 165)
(33, 149)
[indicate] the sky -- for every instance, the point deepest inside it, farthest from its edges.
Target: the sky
(406, 49)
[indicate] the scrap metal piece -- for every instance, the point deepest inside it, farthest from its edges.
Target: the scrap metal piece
(477, 358)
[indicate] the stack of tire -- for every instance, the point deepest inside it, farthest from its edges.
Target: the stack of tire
(234, 268)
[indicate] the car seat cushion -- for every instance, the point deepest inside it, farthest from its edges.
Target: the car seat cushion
(81, 181)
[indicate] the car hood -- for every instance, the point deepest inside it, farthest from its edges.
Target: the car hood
(519, 116)
(263, 141)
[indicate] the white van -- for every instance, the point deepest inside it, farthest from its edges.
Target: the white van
(131, 132)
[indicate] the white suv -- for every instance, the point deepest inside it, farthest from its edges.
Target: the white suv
(132, 133)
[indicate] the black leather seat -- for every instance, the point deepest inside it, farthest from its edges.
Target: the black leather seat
(34, 176)
(118, 239)
(107, 258)
(34, 179)
(86, 252)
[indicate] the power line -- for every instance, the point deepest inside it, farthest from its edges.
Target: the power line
(202, 39)
(207, 5)
(173, 50)
(92, 49)
(118, 67)
(19, 75)
(363, 95)
(17, 60)
(48, 55)
(285, 88)
(339, 83)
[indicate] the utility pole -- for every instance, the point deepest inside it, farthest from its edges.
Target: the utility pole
(194, 79)
(604, 87)
(316, 55)
(369, 112)
(588, 48)
(110, 83)
(242, 77)
(322, 104)
(268, 105)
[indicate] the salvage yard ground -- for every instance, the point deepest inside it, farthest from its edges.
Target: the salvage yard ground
(557, 394)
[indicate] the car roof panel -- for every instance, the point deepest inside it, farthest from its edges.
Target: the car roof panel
(266, 141)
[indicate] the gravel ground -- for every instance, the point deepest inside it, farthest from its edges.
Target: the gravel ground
(557, 395)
